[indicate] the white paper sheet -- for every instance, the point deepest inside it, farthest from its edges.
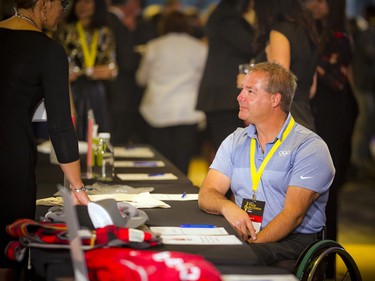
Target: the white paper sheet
(171, 230)
(141, 200)
(136, 152)
(201, 240)
(145, 176)
(176, 197)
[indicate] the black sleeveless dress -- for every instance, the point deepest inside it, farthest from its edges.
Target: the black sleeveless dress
(32, 67)
(303, 63)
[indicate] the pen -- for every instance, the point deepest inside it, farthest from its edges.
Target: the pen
(183, 195)
(197, 226)
(145, 164)
(156, 174)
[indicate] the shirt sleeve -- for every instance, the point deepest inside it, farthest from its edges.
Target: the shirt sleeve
(313, 167)
(224, 160)
(56, 97)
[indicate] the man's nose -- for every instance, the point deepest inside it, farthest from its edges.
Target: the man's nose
(241, 96)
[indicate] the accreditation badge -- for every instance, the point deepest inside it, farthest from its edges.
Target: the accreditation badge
(255, 211)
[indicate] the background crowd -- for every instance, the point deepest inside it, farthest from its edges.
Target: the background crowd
(106, 52)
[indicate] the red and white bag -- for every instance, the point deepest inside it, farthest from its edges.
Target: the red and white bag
(110, 264)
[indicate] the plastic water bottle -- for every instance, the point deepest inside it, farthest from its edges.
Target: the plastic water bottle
(104, 158)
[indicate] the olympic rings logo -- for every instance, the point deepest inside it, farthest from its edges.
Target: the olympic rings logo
(284, 153)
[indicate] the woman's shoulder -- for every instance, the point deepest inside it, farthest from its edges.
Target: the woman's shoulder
(294, 32)
(286, 27)
(36, 39)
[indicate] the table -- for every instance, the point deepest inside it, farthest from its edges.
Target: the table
(52, 264)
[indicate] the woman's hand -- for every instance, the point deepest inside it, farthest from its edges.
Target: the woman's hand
(80, 198)
(104, 72)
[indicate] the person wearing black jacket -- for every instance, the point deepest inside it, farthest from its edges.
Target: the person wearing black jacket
(230, 39)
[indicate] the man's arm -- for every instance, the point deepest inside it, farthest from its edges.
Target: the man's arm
(297, 201)
(212, 200)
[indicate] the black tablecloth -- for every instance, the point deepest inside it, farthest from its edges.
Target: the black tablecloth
(51, 264)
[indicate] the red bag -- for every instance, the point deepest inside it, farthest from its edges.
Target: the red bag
(113, 264)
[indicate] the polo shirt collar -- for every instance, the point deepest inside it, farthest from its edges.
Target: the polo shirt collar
(251, 131)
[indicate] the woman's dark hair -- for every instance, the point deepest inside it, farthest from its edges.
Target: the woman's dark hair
(24, 4)
(174, 22)
(99, 19)
(335, 22)
(270, 12)
(240, 5)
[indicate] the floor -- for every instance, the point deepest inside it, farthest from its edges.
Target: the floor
(356, 217)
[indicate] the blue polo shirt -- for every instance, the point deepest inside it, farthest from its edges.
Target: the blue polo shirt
(302, 160)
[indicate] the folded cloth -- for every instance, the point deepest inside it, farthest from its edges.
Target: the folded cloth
(141, 200)
(109, 212)
(39, 234)
(102, 188)
(101, 213)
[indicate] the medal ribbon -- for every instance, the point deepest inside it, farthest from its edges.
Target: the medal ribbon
(89, 55)
(256, 175)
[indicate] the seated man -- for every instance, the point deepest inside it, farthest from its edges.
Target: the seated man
(278, 171)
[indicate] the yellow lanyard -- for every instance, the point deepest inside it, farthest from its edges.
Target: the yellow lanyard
(89, 55)
(256, 175)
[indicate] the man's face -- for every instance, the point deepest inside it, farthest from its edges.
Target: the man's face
(255, 103)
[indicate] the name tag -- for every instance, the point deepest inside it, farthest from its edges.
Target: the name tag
(255, 210)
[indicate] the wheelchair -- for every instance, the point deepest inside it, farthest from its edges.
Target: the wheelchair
(311, 265)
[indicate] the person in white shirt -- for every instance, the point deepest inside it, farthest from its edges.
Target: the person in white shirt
(170, 71)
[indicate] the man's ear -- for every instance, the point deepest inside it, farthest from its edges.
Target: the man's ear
(276, 99)
(43, 8)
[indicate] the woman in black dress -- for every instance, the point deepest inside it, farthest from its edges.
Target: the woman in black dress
(33, 67)
(286, 35)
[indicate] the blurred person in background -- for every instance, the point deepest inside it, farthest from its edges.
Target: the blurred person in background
(286, 35)
(124, 95)
(363, 33)
(334, 105)
(230, 39)
(170, 71)
(90, 46)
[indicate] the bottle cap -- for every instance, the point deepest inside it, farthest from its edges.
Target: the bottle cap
(104, 135)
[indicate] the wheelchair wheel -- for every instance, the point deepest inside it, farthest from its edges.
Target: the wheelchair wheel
(311, 266)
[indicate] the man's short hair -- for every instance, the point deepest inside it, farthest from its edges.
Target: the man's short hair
(280, 80)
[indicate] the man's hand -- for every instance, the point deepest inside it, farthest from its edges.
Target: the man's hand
(212, 200)
(240, 221)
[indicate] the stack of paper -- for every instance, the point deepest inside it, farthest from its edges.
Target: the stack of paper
(196, 236)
